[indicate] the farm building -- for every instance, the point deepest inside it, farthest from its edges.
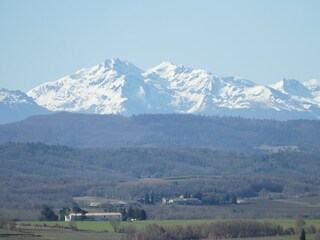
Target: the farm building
(107, 216)
(182, 201)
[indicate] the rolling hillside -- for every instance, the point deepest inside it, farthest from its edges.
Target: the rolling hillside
(165, 131)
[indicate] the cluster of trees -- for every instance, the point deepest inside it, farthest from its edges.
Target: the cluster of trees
(67, 210)
(133, 214)
(254, 189)
(47, 214)
(219, 199)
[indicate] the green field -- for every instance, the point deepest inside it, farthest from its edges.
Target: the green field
(102, 226)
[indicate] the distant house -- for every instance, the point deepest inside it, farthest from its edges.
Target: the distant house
(95, 204)
(107, 216)
(239, 201)
(182, 201)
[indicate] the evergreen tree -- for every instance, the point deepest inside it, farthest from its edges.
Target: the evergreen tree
(233, 199)
(124, 214)
(198, 195)
(303, 235)
(63, 212)
(76, 209)
(130, 212)
(143, 215)
(146, 198)
(47, 214)
(152, 198)
(136, 213)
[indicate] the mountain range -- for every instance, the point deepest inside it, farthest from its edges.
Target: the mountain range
(119, 87)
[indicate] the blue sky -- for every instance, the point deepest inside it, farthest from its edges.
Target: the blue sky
(263, 41)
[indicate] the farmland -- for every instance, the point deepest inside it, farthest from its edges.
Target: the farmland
(103, 230)
(101, 226)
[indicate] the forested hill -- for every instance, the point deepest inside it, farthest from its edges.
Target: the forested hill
(38, 159)
(35, 172)
(165, 131)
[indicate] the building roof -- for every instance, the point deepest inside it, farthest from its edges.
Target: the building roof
(96, 214)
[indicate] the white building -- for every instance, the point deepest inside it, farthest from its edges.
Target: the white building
(107, 216)
(181, 201)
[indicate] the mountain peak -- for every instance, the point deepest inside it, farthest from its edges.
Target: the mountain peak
(167, 64)
(290, 82)
(292, 87)
(167, 69)
(121, 66)
(114, 62)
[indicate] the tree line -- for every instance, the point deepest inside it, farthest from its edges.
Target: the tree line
(218, 230)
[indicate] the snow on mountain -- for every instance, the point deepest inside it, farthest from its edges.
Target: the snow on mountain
(113, 86)
(306, 94)
(116, 86)
(314, 86)
(16, 105)
(293, 88)
(199, 91)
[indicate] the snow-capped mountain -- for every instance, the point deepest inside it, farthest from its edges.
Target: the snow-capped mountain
(16, 105)
(293, 87)
(113, 86)
(116, 86)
